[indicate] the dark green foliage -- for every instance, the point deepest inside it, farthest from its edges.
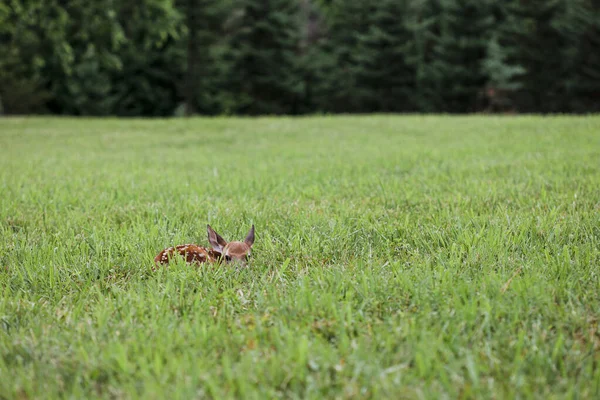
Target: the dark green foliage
(92, 37)
(315, 64)
(535, 42)
(424, 24)
(384, 77)
(346, 21)
(360, 65)
(502, 78)
(452, 76)
(203, 80)
(261, 57)
(583, 55)
(174, 57)
(152, 59)
(32, 38)
(101, 58)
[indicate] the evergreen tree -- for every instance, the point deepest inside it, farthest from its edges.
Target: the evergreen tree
(346, 21)
(583, 55)
(33, 44)
(502, 78)
(152, 59)
(263, 76)
(424, 22)
(204, 22)
(92, 40)
(157, 57)
(384, 78)
(534, 41)
(317, 66)
(312, 61)
(454, 72)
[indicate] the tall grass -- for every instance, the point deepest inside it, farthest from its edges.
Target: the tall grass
(396, 257)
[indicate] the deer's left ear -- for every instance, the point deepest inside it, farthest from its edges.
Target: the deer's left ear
(250, 237)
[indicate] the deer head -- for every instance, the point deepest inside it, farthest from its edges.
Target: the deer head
(231, 251)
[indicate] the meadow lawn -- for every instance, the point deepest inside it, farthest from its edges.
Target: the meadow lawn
(395, 257)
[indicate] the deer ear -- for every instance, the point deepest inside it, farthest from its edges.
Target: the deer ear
(250, 237)
(215, 240)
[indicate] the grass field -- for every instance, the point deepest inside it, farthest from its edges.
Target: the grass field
(382, 265)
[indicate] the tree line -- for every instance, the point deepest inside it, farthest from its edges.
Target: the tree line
(254, 57)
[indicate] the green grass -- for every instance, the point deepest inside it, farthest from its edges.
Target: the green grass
(383, 246)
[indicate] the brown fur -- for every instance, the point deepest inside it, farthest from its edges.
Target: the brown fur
(192, 253)
(221, 250)
(237, 250)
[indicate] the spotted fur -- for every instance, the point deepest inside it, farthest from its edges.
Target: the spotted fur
(192, 254)
(221, 250)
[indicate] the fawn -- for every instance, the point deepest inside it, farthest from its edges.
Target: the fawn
(221, 250)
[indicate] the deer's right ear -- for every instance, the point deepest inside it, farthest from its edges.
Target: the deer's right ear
(215, 240)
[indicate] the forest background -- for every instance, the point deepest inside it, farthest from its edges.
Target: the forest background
(257, 57)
